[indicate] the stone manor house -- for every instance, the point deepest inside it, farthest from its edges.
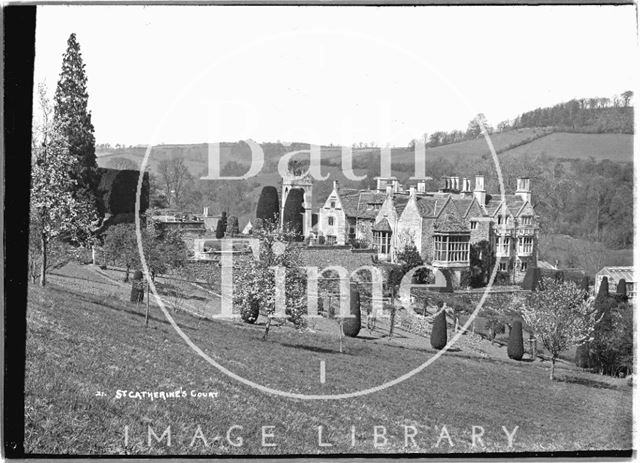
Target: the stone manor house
(442, 224)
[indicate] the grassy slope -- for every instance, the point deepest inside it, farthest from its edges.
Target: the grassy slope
(82, 339)
(615, 147)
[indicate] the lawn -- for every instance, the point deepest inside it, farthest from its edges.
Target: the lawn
(83, 346)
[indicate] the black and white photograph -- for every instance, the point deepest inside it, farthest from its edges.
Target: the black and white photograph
(319, 230)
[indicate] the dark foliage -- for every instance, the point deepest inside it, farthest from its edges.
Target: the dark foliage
(221, 227)
(268, 204)
(233, 228)
(515, 348)
(439, 331)
(293, 212)
(531, 279)
(621, 291)
(582, 356)
(249, 313)
(591, 115)
(116, 191)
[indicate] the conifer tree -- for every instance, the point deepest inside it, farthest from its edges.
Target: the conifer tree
(72, 116)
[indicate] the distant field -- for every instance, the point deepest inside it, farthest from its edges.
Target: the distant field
(474, 148)
(616, 147)
(527, 142)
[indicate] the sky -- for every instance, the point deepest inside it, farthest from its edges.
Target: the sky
(196, 74)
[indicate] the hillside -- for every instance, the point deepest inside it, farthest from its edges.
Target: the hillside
(84, 338)
(562, 145)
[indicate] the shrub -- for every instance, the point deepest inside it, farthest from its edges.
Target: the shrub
(531, 279)
(515, 348)
(621, 290)
(351, 325)
(439, 331)
(268, 205)
(249, 312)
(321, 239)
(233, 228)
(603, 290)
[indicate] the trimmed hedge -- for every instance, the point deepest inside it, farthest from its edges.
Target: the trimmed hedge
(515, 348)
(439, 331)
(268, 205)
(351, 325)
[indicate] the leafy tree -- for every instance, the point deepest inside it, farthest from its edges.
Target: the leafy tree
(121, 246)
(254, 280)
(56, 211)
(515, 348)
(559, 316)
(292, 213)
(73, 119)
(268, 204)
(410, 258)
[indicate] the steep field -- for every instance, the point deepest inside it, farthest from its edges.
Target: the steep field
(615, 147)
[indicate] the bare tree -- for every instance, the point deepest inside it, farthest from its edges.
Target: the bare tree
(175, 176)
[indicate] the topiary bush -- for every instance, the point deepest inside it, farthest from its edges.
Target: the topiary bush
(439, 331)
(515, 348)
(292, 213)
(351, 325)
(621, 290)
(268, 205)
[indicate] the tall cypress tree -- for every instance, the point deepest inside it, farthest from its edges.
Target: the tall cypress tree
(73, 117)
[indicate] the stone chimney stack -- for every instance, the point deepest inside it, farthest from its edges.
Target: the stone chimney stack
(335, 185)
(523, 188)
(205, 211)
(456, 183)
(479, 192)
(412, 192)
(389, 190)
(466, 185)
(422, 186)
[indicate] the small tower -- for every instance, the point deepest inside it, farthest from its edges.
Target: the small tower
(524, 189)
(479, 191)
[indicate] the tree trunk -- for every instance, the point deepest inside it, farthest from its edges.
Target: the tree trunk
(43, 262)
(266, 328)
(126, 274)
(553, 367)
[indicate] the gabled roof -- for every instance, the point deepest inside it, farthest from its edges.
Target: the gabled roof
(429, 206)
(449, 223)
(463, 205)
(358, 204)
(382, 226)
(400, 203)
(513, 202)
